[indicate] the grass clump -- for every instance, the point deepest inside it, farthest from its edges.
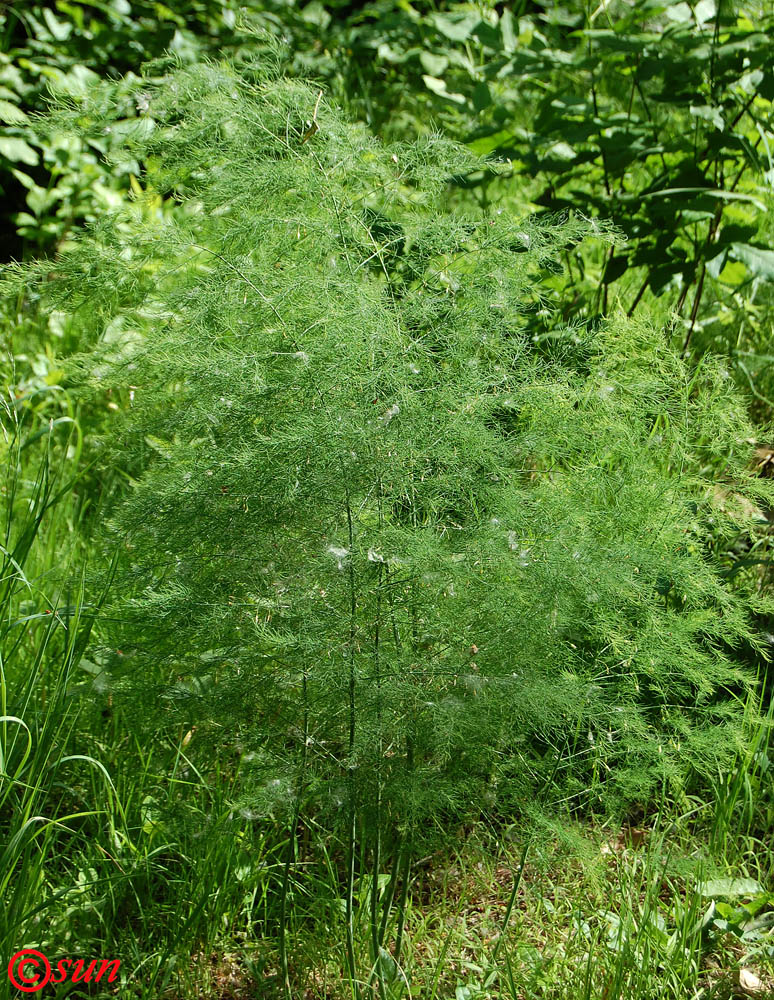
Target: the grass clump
(378, 542)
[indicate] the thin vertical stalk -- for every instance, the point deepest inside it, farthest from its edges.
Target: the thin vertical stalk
(518, 877)
(352, 832)
(375, 942)
(511, 902)
(405, 860)
(390, 891)
(291, 851)
(403, 900)
(375, 922)
(639, 294)
(395, 866)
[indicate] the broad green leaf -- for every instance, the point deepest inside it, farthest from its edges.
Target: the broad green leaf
(61, 30)
(704, 11)
(751, 81)
(388, 966)
(38, 199)
(561, 151)
(482, 97)
(508, 32)
(433, 64)
(730, 887)
(486, 144)
(709, 193)
(680, 12)
(315, 13)
(79, 82)
(17, 150)
(734, 273)
(135, 128)
(439, 87)
(457, 27)
(709, 114)
(24, 179)
(12, 114)
(716, 264)
(616, 42)
(758, 261)
(391, 55)
(10, 75)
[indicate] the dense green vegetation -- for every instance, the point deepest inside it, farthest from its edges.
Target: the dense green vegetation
(386, 591)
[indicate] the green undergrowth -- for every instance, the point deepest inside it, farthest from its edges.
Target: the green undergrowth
(116, 848)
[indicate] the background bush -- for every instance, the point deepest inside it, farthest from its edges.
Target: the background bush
(657, 116)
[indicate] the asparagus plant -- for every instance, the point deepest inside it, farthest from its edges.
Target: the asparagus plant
(405, 555)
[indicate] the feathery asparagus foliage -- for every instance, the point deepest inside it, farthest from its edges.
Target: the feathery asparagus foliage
(401, 555)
